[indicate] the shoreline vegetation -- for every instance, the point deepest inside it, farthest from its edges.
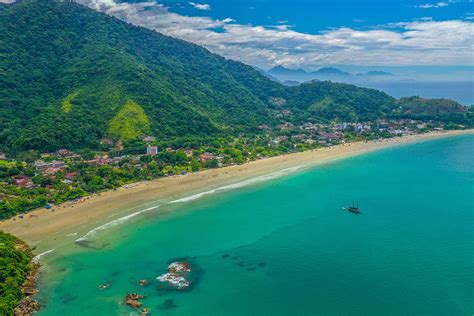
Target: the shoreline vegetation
(18, 277)
(90, 212)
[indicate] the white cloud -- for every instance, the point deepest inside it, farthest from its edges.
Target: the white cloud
(200, 6)
(425, 18)
(228, 20)
(433, 5)
(7, 1)
(422, 42)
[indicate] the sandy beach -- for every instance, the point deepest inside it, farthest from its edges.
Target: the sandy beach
(98, 209)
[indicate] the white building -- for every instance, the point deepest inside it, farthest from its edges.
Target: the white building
(152, 150)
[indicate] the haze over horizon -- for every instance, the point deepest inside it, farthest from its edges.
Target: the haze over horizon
(418, 39)
(230, 157)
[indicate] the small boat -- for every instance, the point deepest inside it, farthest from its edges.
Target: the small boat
(354, 208)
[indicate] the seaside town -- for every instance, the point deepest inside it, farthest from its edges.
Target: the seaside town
(65, 176)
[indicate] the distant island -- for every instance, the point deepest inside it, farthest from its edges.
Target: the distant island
(322, 72)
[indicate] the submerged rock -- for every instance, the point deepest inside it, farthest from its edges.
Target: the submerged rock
(169, 304)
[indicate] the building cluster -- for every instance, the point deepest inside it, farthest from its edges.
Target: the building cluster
(286, 134)
(335, 133)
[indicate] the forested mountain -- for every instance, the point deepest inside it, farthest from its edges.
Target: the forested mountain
(72, 76)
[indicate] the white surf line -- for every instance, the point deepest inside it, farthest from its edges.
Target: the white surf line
(131, 208)
(114, 223)
(123, 219)
(237, 185)
(71, 235)
(38, 257)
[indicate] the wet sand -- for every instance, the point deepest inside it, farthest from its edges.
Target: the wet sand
(100, 208)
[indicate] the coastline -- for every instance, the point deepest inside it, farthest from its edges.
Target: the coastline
(69, 220)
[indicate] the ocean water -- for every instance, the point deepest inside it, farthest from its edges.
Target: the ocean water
(285, 246)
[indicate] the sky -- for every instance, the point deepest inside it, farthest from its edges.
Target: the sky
(434, 38)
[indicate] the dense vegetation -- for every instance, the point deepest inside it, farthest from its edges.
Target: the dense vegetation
(435, 109)
(71, 76)
(14, 267)
(80, 178)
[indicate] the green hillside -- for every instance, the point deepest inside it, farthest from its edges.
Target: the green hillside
(15, 264)
(435, 109)
(72, 76)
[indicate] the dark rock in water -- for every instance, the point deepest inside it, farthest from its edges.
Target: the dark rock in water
(168, 304)
(235, 257)
(262, 264)
(225, 256)
(68, 298)
(132, 300)
(251, 269)
(241, 264)
(143, 282)
(178, 277)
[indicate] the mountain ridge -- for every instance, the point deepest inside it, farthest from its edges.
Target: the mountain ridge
(324, 71)
(69, 70)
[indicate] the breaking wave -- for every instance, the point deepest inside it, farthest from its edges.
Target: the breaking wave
(38, 257)
(193, 197)
(237, 185)
(114, 223)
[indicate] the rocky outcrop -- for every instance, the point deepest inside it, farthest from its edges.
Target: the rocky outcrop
(28, 305)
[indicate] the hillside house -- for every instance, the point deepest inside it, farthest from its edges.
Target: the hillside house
(152, 150)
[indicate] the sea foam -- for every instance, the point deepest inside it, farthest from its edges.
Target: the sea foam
(38, 257)
(114, 223)
(237, 185)
(190, 198)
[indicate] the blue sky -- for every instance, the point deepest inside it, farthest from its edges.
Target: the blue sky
(430, 38)
(314, 16)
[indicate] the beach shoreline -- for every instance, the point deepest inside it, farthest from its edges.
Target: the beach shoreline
(98, 209)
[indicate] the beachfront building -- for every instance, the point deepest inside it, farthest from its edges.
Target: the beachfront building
(206, 157)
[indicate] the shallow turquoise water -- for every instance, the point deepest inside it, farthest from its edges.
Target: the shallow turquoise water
(285, 247)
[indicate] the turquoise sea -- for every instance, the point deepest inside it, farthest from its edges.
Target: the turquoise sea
(286, 247)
